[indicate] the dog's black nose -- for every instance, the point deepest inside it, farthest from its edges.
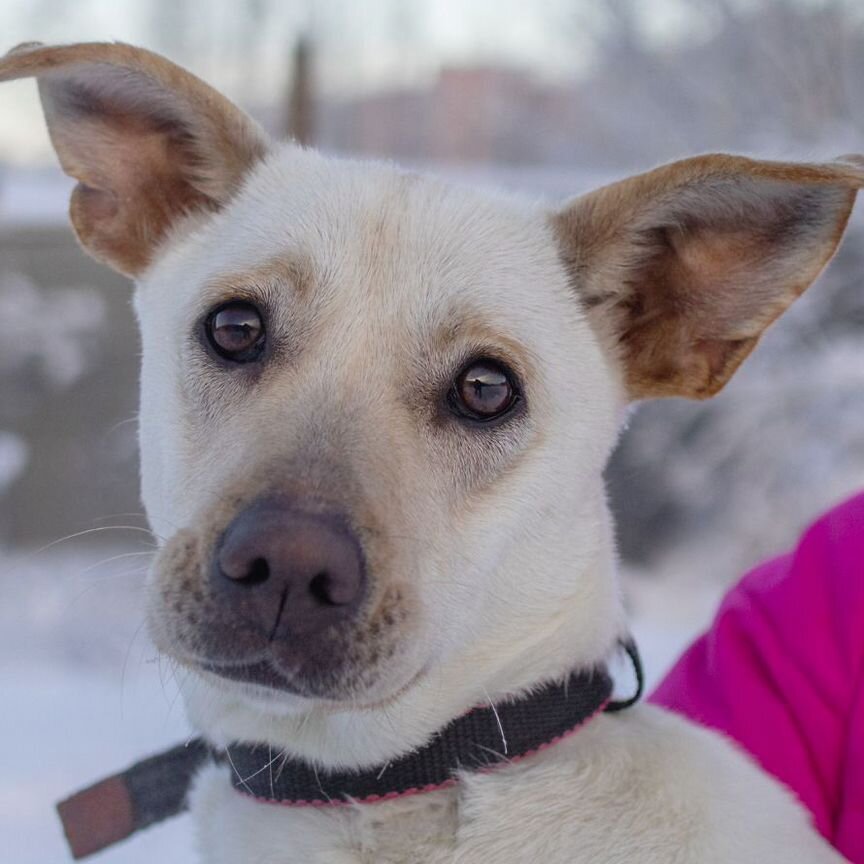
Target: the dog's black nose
(290, 572)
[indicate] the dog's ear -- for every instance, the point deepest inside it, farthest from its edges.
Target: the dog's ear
(682, 268)
(147, 141)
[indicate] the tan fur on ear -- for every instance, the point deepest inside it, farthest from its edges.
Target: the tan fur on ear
(681, 269)
(147, 141)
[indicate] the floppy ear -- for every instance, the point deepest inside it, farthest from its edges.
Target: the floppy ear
(682, 268)
(147, 142)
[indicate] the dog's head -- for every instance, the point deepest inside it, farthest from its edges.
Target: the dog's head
(376, 408)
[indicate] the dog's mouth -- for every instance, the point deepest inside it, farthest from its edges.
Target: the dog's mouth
(263, 681)
(266, 674)
(259, 673)
(342, 667)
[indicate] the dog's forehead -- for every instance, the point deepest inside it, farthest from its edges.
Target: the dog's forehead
(376, 240)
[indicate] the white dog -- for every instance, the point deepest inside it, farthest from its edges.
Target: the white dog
(375, 415)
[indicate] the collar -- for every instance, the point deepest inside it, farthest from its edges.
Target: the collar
(156, 788)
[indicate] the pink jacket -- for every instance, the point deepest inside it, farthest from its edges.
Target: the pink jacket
(781, 671)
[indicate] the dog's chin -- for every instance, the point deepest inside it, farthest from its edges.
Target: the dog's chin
(279, 701)
(261, 674)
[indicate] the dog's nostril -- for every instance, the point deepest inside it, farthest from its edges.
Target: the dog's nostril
(258, 572)
(322, 589)
(255, 573)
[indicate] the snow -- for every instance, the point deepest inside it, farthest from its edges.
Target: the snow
(51, 331)
(83, 696)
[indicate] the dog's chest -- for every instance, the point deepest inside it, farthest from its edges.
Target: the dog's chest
(231, 827)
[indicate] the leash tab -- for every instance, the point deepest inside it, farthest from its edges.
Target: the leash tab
(146, 793)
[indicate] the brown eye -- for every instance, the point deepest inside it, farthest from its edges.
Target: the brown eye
(236, 331)
(484, 390)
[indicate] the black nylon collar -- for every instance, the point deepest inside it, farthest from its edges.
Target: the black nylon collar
(156, 789)
(475, 741)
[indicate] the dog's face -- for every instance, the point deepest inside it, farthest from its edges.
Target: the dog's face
(375, 408)
(411, 399)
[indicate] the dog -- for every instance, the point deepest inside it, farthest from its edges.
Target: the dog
(375, 413)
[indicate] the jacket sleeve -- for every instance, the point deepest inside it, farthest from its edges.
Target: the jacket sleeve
(780, 669)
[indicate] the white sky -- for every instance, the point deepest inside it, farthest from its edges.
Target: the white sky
(362, 45)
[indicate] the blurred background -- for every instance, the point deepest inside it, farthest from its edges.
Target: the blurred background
(550, 98)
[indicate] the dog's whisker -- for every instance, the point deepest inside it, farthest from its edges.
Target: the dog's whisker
(95, 583)
(324, 794)
(386, 715)
(497, 719)
(126, 657)
(182, 687)
(285, 758)
(131, 514)
(122, 556)
(89, 531)
(499, 757)
(236, 772)
(161, 670)
(262, 769)
(100, 579)
(120, 424)
(270, 768)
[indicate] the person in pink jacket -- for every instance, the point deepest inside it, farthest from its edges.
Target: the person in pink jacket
(781, 671)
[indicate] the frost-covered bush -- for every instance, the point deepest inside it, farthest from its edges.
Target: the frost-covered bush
(13, 459)
(46, 333)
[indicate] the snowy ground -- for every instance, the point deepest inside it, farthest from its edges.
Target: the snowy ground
(84, 693)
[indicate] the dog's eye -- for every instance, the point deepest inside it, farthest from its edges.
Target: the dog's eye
(236, 331)
(484, 390)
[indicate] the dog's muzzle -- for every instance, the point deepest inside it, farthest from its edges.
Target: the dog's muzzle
(287, 581)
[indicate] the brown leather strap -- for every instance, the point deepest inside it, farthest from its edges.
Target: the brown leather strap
(97, 817)
(148, 792)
